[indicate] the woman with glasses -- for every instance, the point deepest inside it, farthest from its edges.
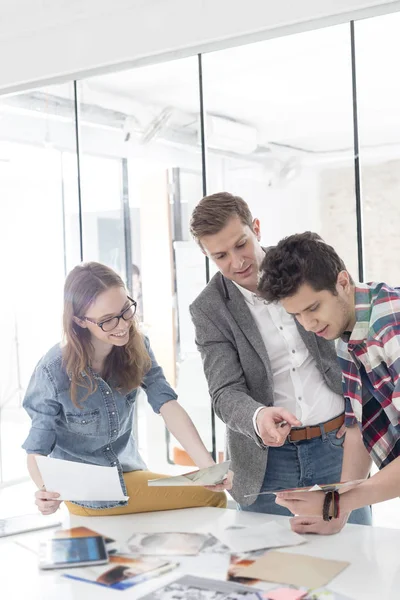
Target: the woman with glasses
(82, 394)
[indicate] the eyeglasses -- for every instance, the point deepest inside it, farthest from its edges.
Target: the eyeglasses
(110, 324)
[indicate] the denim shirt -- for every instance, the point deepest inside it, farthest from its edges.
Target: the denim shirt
(99, 433)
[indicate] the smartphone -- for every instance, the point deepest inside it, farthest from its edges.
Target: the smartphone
(58, 553)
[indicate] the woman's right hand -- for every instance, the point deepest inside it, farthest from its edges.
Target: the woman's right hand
(47, 502)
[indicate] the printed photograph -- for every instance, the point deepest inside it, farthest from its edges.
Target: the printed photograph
(197, 588)
(122, 571)
(163, 544)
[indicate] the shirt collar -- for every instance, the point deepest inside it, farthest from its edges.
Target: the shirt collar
(363, 308)
(250, 297)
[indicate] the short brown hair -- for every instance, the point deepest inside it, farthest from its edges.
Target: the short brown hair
(298, 259)
(213, 212)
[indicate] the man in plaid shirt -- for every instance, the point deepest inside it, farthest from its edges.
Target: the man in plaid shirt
(310, 280)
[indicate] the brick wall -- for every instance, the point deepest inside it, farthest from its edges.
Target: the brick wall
(381, 218)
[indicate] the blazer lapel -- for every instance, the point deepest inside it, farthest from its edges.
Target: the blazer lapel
(238, 308)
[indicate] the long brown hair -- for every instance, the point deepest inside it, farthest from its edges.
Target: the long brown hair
(126, 364)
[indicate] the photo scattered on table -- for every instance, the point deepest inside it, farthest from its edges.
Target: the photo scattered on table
(122, 571)
(198, 588)
(170, 543)
(240, 560)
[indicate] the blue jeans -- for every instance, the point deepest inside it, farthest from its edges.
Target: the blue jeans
(299, 464)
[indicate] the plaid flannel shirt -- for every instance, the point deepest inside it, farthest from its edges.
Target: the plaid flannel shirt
(370, 362)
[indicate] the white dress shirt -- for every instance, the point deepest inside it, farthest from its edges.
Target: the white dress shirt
(298, 384)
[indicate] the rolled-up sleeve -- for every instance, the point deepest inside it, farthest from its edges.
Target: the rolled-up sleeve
(155, 385)
(41, 404)
(350, 419)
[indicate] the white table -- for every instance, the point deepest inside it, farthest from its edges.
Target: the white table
(374, 554)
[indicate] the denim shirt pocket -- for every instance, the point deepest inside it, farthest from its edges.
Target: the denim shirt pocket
(84, 423)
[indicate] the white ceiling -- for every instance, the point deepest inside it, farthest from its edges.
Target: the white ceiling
(295, 90)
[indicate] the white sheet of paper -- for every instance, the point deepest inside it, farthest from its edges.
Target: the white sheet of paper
(268, 535)
(208, 476)
(213, 566)
(80, 481)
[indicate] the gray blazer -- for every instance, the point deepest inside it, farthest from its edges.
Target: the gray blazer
(239, 375)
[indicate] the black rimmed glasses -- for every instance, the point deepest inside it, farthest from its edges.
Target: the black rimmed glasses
(110, 324)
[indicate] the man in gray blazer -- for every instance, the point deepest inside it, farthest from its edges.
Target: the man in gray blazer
(275, 386)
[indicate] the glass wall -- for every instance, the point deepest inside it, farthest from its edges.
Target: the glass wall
(279, 131)
(279, 113)
(378, 91)
(37, 132)
(279, 127)
(377, 49)
(141, 176)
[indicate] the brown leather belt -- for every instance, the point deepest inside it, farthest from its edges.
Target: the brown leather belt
(299, 434)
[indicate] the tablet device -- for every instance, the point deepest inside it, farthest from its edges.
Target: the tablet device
(58, 553)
